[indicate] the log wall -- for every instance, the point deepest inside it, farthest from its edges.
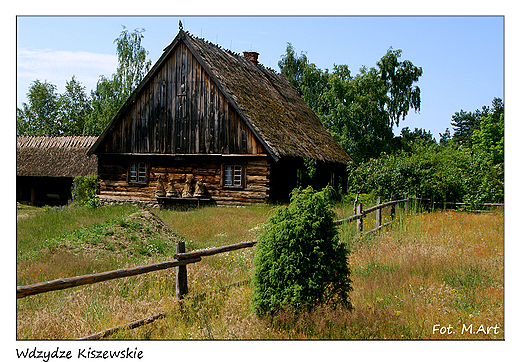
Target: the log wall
(113, 176)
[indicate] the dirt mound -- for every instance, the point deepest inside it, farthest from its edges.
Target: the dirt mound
(141, 233)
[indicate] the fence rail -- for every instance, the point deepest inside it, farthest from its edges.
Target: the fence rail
(184, 258)
(65, 283)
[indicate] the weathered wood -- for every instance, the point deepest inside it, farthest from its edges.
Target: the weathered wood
(359, 211)
(132, 325)
(208, 168)
(378, 213)
(213, 251)
(378, 228)
(383, 205)
(182, 110)
(349, 219)
(181, 274)
(392, 208)
(65, 283)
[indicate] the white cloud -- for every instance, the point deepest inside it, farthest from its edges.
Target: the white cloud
(58, 67)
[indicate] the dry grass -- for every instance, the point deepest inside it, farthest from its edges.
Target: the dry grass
(443, 268)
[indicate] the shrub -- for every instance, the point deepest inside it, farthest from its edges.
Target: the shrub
(299, 261)
(84, 189)
(442, 173)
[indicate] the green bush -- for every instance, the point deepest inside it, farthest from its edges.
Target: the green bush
(299, 260)
(442, 173)
(84, 189)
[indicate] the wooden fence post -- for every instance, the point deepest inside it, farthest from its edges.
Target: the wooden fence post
(181, 274)
(406, 204)
(360, 220)
(378, 213)
(392, 208)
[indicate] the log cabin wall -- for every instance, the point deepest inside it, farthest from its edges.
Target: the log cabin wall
(114, 178)
(181, 111)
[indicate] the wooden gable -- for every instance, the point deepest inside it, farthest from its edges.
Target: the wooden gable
(179, 110)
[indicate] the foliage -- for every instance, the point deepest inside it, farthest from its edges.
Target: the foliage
(84, 190)
(300, 262)
(111, 94)
(465, 123)
(489, 138)
(73, 112)
(442, 173)
(360, 110)
(74, 108)
(443, 265)
(408, 138)
(39, 116)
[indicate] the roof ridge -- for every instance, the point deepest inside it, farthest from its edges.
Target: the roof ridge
(55, 141)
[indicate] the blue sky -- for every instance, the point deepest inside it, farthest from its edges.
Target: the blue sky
(462, 56)
(462, 60)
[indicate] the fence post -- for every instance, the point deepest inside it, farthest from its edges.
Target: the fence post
(406, 206)
(360, 220)
(392, 208)
(181, 274)
(378, 213)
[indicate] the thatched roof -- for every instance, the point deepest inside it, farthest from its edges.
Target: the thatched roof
(54, 156)
(267, 102)
(271, 104)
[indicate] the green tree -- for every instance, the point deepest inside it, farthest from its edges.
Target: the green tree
(293, 66)
(105, 102)
(360, 110)
(74, 108)
(489, 138)
(465, 123)
(445, 138)
(39, 117)
(300, 262)
(111, 93)
(409, 138)
(443, 173)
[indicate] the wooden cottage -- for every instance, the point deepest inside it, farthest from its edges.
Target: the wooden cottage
(46, 167)
(209, 123)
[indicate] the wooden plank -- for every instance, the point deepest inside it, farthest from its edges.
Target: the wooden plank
(65, 283)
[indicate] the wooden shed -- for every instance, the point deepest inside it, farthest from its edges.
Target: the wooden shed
(46, 167)
(206, 122)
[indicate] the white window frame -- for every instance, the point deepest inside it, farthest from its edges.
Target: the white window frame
(233, 175)
(138, 172)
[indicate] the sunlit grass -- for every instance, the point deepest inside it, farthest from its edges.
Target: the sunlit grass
(443, 268)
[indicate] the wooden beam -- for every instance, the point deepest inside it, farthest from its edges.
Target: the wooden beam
(213, 251)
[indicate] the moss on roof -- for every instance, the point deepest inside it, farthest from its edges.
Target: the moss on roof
(271, 105)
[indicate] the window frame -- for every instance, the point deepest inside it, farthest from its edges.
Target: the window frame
(142, 176)
(234, 167)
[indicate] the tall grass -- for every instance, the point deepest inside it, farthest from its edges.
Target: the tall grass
(443, 268)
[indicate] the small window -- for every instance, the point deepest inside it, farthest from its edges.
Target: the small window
(137, 173)
(233, 176)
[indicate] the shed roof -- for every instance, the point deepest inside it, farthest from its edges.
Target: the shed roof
(54, 156)
(267, 102)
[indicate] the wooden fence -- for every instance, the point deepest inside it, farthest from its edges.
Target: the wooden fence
(183, 258)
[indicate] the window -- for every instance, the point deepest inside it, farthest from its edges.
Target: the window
(137, 172)
(233, 176)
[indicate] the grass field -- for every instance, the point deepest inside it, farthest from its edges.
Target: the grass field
(438, 275)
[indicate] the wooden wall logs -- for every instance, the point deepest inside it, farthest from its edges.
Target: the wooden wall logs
(113, 176)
